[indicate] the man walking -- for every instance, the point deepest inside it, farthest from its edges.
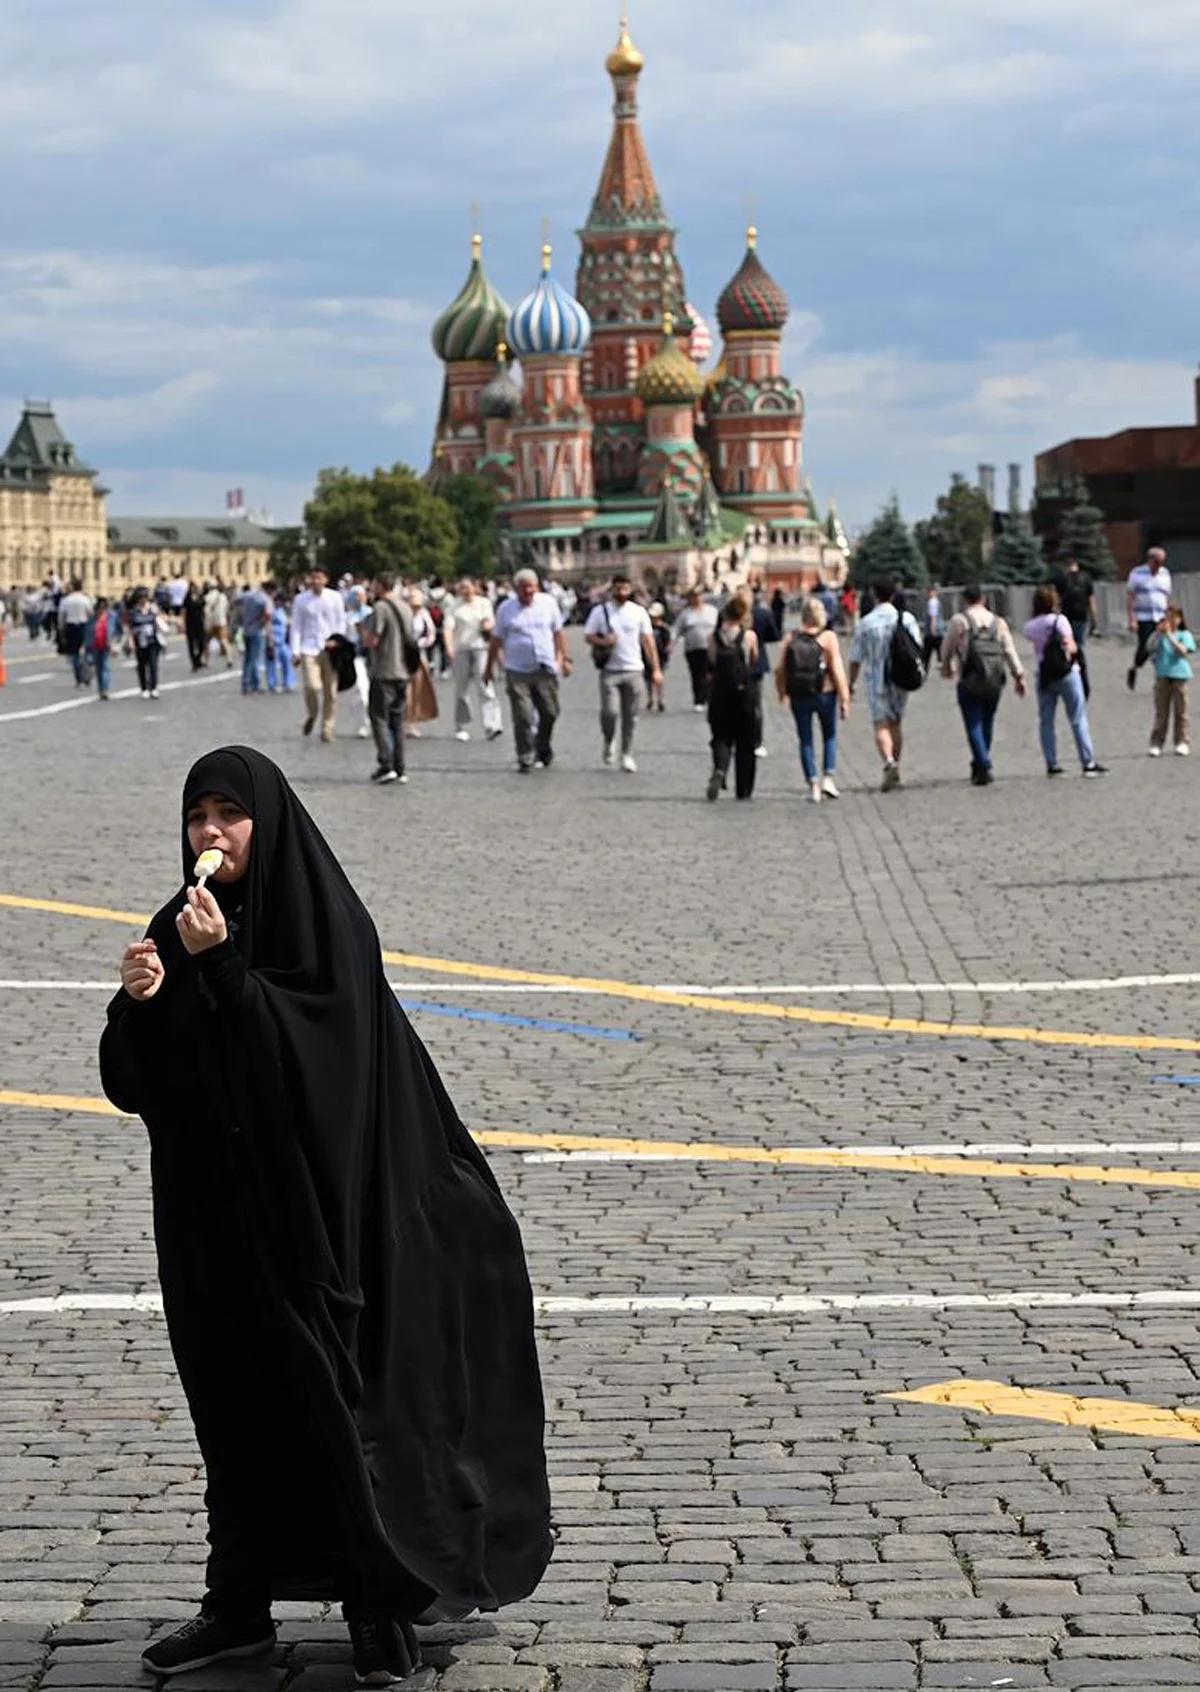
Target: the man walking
(466, 628)
(621, 637)
(389, 638)
(74, 614)
(257, 606)
(1147, 595)
(979, 652)
(933, 627)
(317, 616)
(870, 655)
(695, 626)
(528, 635)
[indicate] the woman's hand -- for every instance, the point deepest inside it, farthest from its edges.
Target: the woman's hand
(201, 923)
(142, 972)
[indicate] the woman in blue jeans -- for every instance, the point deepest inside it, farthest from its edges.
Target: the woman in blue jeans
(1059, 678)
(811, 678)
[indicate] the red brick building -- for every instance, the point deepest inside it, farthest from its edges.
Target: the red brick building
(1146, 481)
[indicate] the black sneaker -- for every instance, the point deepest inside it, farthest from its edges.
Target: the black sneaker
(385, 1651)
(1131, 678)
(1095, 770)
(383, 774)
(715, 784)
(209, 1639)
(1054, 769)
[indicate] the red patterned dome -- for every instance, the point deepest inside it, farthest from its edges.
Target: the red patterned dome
(753, 301)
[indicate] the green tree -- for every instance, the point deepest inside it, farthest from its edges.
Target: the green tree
(888, 549)
(1081, 535)
(952, 539)
(1017, 555)
(474, 504)
(389, 520)
(289, 555)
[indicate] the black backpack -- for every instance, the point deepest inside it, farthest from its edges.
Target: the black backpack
(731, 667)
(803, 666)
(984, 670)
(1055, 665)
(905, 662)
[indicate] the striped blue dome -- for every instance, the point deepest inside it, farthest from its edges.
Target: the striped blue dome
(549, 321)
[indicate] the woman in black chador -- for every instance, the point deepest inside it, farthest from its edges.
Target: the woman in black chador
(344, 1286)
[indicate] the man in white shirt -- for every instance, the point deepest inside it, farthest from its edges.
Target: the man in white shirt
(621, 637)
(528, 634)
(74, 610)
(317, 616)
(1147, 594)
(467, 625)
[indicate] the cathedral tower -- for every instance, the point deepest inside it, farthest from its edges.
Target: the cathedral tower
(629, 278)
(552, 432)
(464, 338)
(755, 415)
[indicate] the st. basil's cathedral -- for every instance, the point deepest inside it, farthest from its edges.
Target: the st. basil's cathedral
(616, 441)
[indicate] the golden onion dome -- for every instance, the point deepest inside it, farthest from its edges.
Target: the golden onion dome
(624, 60)
(670, 377)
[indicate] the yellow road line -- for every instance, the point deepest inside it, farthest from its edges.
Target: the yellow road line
(60, 1101)
(1113, 1415)
(761, 1008)
(774, 1157)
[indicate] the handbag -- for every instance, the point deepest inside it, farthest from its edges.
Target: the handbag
(602, 654)
(421, 701)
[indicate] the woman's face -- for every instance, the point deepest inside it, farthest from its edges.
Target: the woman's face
(219, 824)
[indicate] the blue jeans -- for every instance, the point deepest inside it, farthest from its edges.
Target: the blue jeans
(824, 706)
(281, 673)
(102, 659)
(1070, 691)
(979, 718)
(252, 664)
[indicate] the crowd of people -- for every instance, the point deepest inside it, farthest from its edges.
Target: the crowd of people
(386, 643)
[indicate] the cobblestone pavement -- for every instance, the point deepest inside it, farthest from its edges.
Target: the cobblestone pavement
(740, 1503)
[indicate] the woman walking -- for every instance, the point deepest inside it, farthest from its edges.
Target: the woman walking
(194, 627)
(1058, 676)
(142, 631)
(734, 702)
(344, 1287)
(811, 678)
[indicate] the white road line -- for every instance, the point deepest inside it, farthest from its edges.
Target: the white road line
(786, 1304)
(90, 698)
(1001, 1148)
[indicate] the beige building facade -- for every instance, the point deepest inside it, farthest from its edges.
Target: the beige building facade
(54, 522)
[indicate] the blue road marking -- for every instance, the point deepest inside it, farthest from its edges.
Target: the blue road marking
(548, 1025)
(1175, 1080)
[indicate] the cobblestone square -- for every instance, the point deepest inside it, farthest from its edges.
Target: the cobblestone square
(800, 1107)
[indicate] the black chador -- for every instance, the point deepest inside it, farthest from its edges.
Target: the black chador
(345, 1288)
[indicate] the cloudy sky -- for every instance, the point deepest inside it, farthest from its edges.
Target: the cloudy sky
(229, 224)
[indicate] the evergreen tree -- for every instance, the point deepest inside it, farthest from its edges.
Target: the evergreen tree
(952, 539)
(1081, 535)
(389, 520)
(1017, 555)
(474, 504)
(888, 549)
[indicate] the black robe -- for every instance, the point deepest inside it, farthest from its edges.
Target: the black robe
(345, 1288)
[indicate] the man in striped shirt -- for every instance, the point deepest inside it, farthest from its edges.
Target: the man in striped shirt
(1147, 592)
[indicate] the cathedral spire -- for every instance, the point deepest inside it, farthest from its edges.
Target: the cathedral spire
(627, 193)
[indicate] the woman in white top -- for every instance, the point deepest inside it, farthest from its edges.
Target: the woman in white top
(466, 631)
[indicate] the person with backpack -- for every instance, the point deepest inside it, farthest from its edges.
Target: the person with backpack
(887, 649)
(734, 701)
(811, 678)
(1058, 678)
(979, 652)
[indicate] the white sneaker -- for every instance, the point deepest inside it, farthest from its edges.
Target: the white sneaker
(145, 693)
(1156, 751)
(154, 693)
(463, 734)
(699, 707)
(1183, 750)
(363, 731)
(814, 792)
(829, 788)
(609, 756)
(761, 752)
(628, 764)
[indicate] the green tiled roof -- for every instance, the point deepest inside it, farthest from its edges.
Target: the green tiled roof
(39, 447)
(187, 534)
